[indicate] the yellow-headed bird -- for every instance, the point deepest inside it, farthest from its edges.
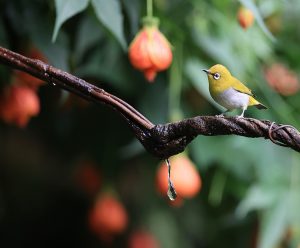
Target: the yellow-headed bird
(228, 91)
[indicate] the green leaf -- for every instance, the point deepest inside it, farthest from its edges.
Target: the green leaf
(273, 223)
(38, 30)
(84, 40)
(132, 9)
(258, 197)
(65, 9)
(294, 213)
(251, 5)
(110, 15)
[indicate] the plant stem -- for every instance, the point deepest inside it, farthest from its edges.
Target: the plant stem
(149, 8)
(175, 86)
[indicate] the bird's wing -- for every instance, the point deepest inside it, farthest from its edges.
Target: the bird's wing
(240, 87)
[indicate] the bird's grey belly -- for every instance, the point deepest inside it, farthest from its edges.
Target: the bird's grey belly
(232, 99)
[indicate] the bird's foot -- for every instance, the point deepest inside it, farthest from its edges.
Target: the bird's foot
(240, 116)
(220, 115)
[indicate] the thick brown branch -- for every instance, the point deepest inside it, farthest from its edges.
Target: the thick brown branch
(162, 141)
(71, 83)
(177, 135)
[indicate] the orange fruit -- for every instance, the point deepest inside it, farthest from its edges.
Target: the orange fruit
(185, 177)
(107, 217)
(150, 52)
(245, 17)
(282, 79)
(88, 177)
(142, 239)
(18, 104)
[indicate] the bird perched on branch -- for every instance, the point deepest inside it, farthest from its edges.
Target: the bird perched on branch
(228, 91)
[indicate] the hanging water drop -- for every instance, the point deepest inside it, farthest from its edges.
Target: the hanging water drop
(171, 189)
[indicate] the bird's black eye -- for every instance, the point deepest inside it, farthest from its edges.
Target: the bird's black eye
(217, 76)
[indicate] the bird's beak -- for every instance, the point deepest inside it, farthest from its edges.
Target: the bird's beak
(207, 71)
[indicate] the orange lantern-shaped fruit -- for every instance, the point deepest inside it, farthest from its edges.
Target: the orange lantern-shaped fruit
(150, 51)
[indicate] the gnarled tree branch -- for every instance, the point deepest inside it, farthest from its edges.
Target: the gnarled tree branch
(162, 141)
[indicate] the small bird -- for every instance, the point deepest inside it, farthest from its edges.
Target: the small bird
(228, 91)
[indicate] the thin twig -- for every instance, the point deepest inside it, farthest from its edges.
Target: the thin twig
(276, 129)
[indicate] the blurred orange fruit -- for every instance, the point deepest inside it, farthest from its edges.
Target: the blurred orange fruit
(245, 17)
(142, 239)
(18, 104)
(24, 78)
(281, 79)
(107, 217)
(88, 177)
(185, 177)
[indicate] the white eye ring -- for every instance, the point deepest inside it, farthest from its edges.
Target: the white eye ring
(217, 76)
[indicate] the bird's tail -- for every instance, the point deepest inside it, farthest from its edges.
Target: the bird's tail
(257, 104)
(260, 106)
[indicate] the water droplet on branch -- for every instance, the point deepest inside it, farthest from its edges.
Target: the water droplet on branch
(171, 189)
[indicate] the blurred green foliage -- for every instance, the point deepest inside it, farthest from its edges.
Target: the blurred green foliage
(251, 188)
